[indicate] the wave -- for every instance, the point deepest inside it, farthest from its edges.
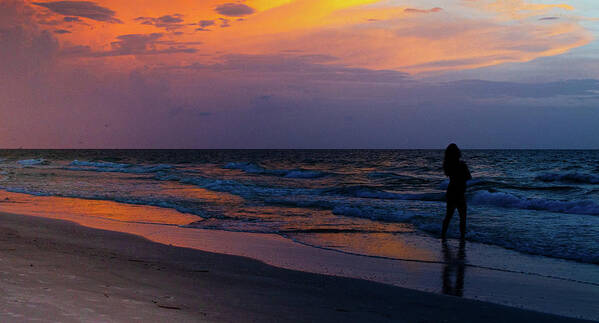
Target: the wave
(252, 168)
(108, 167)
(572, 177)
(507, 200)
(327, 198)
(32, 162)
(245, 190)
(470, 183)
(395, 178)
(389, 212)
(365, 191)
(391, 175)
(372, 213)
(98, 164)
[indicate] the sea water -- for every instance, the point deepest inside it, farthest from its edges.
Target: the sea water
(369, 202)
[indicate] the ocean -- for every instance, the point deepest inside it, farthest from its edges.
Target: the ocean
(369, 202)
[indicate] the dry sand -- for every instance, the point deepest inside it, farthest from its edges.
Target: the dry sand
(55, 270)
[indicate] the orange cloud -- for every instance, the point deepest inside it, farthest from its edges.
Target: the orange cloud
(358, 33)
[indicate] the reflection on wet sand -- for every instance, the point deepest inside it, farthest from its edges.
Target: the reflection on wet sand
(454, 269)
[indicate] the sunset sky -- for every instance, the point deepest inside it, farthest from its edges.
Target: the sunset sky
(299, 74)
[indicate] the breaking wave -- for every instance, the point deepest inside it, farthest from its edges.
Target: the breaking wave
(573, 177)
(252, 168)
(507, 200)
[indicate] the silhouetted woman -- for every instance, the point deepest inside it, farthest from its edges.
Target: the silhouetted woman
(458, 174)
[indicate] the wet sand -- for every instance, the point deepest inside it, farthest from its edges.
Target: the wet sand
(57, 270)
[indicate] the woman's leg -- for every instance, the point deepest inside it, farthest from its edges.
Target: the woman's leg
(462, 210)
(449, 213)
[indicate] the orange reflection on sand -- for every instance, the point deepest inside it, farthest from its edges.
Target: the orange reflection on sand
(68, 208)
(379, 244)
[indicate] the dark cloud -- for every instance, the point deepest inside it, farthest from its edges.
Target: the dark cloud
(224, 23)
(204, 24)
(71, 19)
(144, 44)
(413, 10)
(84, 9)
(234, 9)
(79, 50)
(49, 22)
(549, 18)
(168, 22)
(135, 44)
(62, 31)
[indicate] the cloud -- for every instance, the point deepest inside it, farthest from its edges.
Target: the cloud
(430, 43)
(134, 44)
(84, 9)
(71, 19)
(62, 31)
(204, 24)
(234, 9)
(224, 23)
(168, 22)
(549, 18)
(412, 10)
(143, 44)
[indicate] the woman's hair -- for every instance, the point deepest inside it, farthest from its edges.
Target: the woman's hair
(452, 157)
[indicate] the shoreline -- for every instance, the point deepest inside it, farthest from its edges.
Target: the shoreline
(539, 284)
(61, 269)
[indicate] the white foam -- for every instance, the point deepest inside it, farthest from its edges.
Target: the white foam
(32, 162)
(569, 177)
(507, 200)
(108, 167)
(251, 168)
(98, 164)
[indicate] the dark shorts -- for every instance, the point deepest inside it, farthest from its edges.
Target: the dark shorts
(456, 197)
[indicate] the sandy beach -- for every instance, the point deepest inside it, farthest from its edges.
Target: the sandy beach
(55, 270)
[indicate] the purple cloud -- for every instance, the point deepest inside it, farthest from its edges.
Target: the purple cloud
(84, 9)
(144, 44)
(205, 23)
(71, 19)
(549, 18)
(224, 23)
(168, 22)
(234, 9)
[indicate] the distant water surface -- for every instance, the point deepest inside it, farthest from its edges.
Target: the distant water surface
(371, 202)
